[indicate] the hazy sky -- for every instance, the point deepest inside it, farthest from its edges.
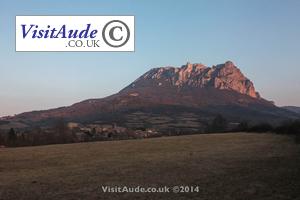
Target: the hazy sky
(262, 37)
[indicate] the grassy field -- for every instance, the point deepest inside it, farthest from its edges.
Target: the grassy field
(224, 166)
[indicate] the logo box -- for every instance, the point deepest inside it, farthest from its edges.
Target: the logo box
(75, 33)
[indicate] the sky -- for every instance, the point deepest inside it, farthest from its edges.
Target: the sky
(262, 37)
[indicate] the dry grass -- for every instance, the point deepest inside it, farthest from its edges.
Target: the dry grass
(224, 166)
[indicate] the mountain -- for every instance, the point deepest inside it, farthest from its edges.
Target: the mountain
(224, 76)
(183, 98)
(292, 109)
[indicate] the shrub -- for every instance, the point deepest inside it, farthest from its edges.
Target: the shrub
(260, 128)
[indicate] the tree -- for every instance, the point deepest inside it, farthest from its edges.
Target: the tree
(243, 126)
(219, 124)
(93, 132)
(63, 132)
(12, 137)
(2, 138)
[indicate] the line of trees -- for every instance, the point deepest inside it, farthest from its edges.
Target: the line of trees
(291, 127)
(60, 134)
(220, 124)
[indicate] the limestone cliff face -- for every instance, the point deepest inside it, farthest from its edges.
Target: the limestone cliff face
(224, 77)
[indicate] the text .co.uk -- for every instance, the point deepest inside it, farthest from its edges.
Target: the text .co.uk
(74, 33)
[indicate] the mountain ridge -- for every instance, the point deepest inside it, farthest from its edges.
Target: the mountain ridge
(198, 75)
(189, 96)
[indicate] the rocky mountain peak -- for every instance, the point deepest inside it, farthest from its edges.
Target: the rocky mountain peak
(192, 67)
(225, 76)
(229, 64)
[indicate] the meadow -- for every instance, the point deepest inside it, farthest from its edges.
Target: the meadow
(224, 166)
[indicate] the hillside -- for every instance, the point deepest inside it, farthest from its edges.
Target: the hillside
(224, 166)
(172, 98)
(292, 109)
